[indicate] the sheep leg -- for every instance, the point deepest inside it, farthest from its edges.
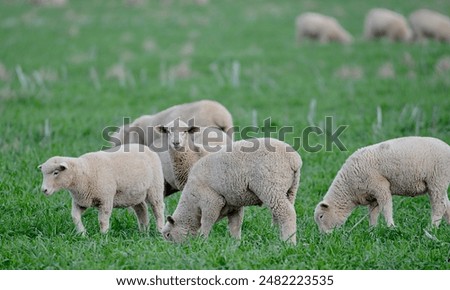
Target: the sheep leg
(142, 215)
(438, 205)
(385, 204)
(383, 196)
(284, 213)
(211, 208)
(235, 222)
(374, 212)
(104, 214)
(156, 200)
(77, 212)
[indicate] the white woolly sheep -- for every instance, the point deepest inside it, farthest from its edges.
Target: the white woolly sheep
(126, 176)
(322, 28)
(430, 24)
(382, 22)
(204, 113)
(251, 172)
(408, 166)
(50, 2)
(186, 148)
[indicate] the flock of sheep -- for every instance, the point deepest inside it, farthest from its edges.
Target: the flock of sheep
(379, 23)
(190, 148)
(218, 176)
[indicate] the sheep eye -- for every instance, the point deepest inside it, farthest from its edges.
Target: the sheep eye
(321, 216)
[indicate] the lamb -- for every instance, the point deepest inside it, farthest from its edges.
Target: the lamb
(407, 166)
(184, 151)
(250, 172)
(204, 113)
(430, 24)
(322, 28)
(382, 22)
(127, 176)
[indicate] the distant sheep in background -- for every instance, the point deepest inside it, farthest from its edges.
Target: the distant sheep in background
(322, 28)
(382, 22)
(50, 2)
(428, 24)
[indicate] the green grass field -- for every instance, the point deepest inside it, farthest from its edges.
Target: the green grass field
(68, 72)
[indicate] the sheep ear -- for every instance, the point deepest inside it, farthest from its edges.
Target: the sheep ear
(193, 129)
(170, 220)
(63, 166)
(324, 205)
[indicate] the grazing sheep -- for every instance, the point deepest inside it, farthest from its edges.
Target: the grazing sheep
(250, 172)
(184, 151)
(382, 22)
(322, 28)
(50, 2)
(204, 113)
(430, 24)
(407, 166)
(126, 176)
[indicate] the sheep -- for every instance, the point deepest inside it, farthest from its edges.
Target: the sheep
(249, 172)
(125, 176)
(382, 22)
(407, 166)
(50, 2)
(204, 113)
(430, 24)
(184, 151)
(322, 28)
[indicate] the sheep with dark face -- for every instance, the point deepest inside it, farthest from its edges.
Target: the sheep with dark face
(407, 166)
(125, 176)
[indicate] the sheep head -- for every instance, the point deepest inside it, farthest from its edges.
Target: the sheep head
(179, 134)
(175, 231)
(326, 217)
(57, 174)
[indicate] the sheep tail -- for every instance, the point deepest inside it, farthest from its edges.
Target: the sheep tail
(292, 191)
